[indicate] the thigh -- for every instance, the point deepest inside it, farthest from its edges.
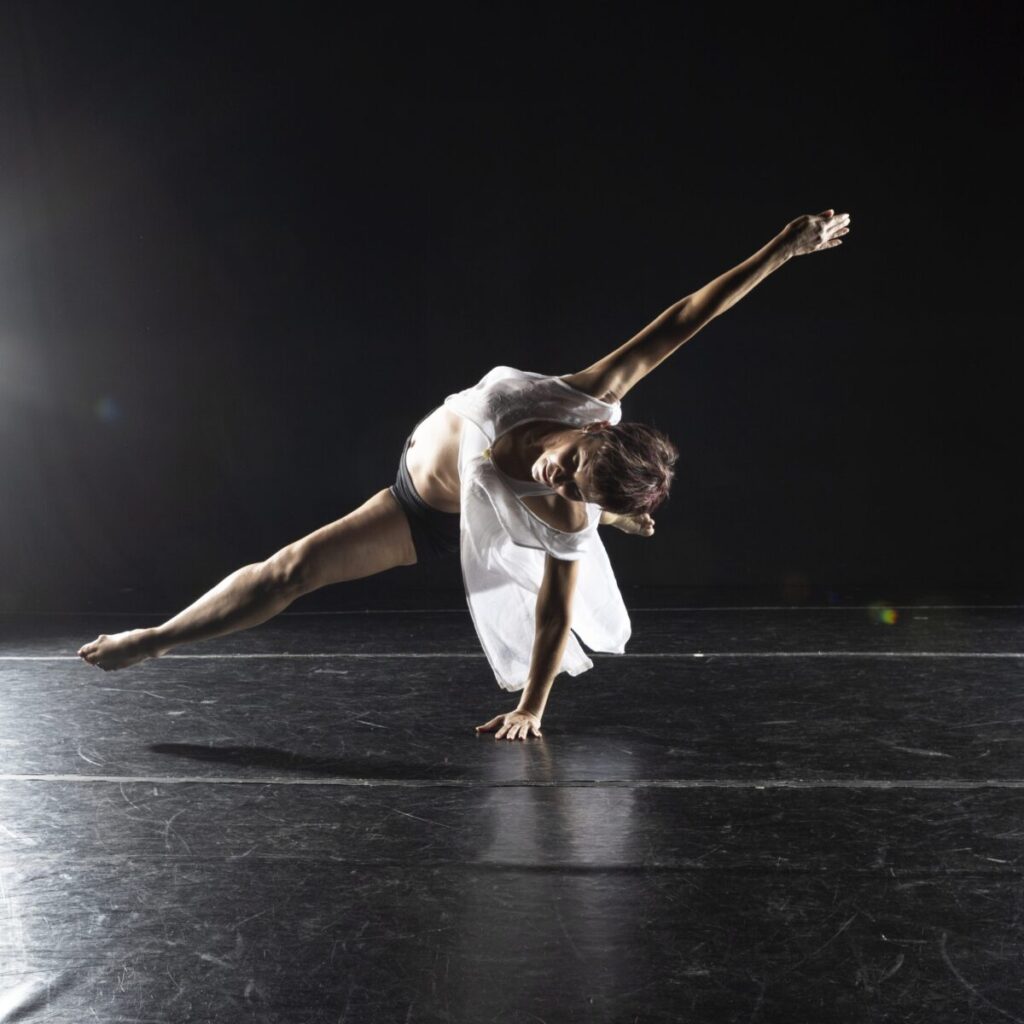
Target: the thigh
(370, 539)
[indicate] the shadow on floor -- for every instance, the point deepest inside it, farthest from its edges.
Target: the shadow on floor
(287, 761)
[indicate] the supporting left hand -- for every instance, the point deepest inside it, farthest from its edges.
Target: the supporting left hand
(513, 725)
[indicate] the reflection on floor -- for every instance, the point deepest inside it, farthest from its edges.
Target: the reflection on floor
(755, 815)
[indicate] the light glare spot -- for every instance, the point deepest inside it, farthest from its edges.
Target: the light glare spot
(106, 409)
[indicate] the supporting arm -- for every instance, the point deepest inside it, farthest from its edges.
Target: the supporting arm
(554, 617)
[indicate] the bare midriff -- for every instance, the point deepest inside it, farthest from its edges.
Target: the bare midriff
(433, 459)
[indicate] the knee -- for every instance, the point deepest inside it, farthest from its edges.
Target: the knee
(288, 571)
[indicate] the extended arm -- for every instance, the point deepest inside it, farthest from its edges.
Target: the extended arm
(623, 368)
(551, 633)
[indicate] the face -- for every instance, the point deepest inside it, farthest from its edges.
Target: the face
(566, 465)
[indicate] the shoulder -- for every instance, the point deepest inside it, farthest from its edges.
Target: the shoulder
(556, 511)
(590, 384)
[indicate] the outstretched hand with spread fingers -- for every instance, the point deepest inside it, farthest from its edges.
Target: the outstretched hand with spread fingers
(513, 725)
(816, 231)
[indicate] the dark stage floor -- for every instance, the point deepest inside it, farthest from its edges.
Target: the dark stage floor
(792, 815)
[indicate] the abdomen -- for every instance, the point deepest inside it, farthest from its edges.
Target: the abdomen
(433, 459)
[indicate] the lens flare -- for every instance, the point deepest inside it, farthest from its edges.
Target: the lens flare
(882, 614)
(106, 409)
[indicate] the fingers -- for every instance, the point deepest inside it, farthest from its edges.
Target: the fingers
(642, 525)
(813, 232)
(520, 731)
(511, 730)
(831, 233)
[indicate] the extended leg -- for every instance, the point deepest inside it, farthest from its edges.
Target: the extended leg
(373, 538)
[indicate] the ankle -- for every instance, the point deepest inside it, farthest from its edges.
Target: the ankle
(157, 641)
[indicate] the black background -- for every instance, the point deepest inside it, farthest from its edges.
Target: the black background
(243, 250)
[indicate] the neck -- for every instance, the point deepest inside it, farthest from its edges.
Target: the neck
(523, 451)
(537, 438)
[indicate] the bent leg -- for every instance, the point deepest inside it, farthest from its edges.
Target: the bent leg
(369, 540)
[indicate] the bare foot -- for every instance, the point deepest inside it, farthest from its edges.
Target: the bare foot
(121, 649)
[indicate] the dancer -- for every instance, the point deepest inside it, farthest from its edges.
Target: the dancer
(515, 474)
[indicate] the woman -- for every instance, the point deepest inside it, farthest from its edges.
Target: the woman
(516, 474)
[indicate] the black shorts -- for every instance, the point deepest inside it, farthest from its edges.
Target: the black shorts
(434, 533)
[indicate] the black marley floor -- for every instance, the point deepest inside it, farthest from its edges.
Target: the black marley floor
(792, 815)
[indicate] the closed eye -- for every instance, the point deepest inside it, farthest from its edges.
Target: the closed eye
(576, 492)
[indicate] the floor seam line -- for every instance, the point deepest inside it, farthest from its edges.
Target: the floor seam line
(959, 784)
(660, 608)
(600, 656)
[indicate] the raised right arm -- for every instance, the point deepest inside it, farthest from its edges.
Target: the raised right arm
(619, 371)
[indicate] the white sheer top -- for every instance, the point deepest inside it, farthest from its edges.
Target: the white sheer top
(503, 543)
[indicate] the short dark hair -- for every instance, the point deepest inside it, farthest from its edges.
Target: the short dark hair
(633, 467)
